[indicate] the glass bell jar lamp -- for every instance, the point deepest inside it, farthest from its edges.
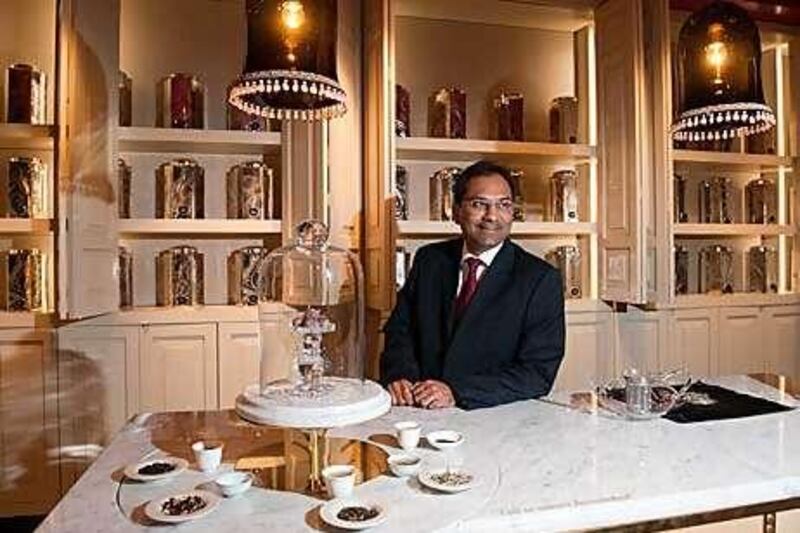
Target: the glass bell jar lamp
(312, 371)
(719, 78)
(290, 72)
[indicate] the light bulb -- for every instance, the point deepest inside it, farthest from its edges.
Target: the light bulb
(716, 54)
(292, 14)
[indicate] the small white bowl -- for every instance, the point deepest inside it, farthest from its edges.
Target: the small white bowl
(404, 464)
(234, 483)
(444, 439)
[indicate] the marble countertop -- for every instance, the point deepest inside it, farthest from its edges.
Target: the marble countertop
(539, 462)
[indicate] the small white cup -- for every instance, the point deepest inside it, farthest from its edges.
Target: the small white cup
(339, 480)
(208, 455)
(408, 434)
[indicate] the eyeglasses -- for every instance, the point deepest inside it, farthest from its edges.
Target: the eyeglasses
(482, 205)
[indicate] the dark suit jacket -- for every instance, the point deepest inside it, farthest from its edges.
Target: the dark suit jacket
(506, 347)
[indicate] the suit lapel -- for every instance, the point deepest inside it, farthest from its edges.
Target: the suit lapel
(449, 285)
(491, 282)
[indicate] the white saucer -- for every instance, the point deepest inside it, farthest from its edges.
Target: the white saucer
(154, 512)
(132, 471)
(444, 439)
(329, 511)
(426, 479)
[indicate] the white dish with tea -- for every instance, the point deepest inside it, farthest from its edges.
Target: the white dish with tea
(447, 479)
(352, 514)
(156, 469)
(182, 507)
(444, 439)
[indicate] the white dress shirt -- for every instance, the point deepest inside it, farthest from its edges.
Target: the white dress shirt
(486, 259)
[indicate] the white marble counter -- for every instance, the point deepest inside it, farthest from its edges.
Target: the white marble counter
(543, 467)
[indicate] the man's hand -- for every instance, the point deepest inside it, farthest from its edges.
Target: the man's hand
(400, 391)
(432, 394)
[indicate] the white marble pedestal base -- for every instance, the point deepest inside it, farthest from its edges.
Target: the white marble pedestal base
(346, 401)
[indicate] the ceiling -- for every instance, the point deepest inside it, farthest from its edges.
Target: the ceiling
(785, 12)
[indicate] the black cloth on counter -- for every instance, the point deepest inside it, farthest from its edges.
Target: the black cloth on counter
(727, 404)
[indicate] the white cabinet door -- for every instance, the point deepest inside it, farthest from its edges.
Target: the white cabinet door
(782, 332)
(178, 368)
(693, 341)
(621, 142)
(98, 376)
(788, 520)
(88, 214)
(643, 340)
(589, 357)
(28, 423)
(239, 360)
(741, 341)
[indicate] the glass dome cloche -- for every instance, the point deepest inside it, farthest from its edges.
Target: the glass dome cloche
(312, 370)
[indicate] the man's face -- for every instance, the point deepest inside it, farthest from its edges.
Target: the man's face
(485, 213)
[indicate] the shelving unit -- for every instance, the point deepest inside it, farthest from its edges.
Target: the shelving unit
(732, 230)
(37, 47)
(705, 160)
(222, 142)
(148, 53)
(26, 226)
(25, 320)
(428, 148)
(26, 137)
(744, 299)
(146, 315)
(482, 47)
(742, 167)
(131, 228)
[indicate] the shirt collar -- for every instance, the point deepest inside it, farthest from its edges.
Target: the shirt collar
(486, 257)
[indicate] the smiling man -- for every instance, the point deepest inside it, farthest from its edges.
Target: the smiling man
(479, 321)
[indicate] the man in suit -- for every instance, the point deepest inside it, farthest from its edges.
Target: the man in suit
(479, 321)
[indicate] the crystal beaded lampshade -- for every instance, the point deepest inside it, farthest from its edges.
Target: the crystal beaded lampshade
(290, 72)
(719, 76)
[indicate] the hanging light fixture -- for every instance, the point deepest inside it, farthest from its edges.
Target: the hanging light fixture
(719, 61)
(290, 72)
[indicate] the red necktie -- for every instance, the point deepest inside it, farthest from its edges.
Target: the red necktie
(468, 287)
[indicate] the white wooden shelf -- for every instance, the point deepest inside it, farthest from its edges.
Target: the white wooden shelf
(437, 227)
(26, 137)
(427, 148)
(26, 226)
(146, 315)
(131, 228)
(162, 140)
(586, 305)
(730, 161)
(740, 299)
(732, 230)
(25, 319)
